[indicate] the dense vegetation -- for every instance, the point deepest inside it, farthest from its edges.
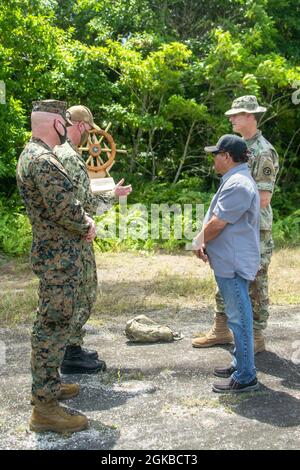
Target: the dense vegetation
(164, 72)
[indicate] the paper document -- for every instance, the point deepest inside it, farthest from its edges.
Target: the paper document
(101, 185)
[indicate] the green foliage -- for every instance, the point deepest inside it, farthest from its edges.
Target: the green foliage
(95, 21)
(15, 229)
(286, 231)
(286, 21)
(12, 136)
(163, 72)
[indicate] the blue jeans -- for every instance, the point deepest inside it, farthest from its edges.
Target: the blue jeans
(238, 309)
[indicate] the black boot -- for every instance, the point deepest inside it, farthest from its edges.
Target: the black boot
(77, 362)
(71, 350)
(90, 353)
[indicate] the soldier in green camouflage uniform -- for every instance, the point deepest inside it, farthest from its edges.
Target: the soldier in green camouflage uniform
(78, 359)
(60, 229)
(264, 164)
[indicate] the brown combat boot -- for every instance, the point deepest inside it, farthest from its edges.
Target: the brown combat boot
(259, 341)
(68, 391)
(219, 334)
(53, 417)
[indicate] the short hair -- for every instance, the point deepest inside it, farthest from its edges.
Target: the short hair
(242, 158)
(258, 116)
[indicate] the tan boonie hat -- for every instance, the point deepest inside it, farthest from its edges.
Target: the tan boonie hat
(142, 329)
(245, 104)
(82, 113)
(52, 106)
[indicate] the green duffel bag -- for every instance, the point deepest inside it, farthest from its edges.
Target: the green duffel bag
(142, 329)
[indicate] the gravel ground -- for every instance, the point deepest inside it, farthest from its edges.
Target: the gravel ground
(159, 396)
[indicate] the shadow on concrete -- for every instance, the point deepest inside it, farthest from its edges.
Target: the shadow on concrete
(226, 347)
(272, 364)
(267, 406)
(107, 393)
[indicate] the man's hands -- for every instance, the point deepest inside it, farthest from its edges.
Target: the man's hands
(92, 230)
(201, 253)
(121, 190)
(199, 247)
(211, 230)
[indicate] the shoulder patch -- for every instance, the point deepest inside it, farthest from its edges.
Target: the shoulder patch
(267, 170)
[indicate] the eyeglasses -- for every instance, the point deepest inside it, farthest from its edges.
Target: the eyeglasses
(219, 153)
(68, 121)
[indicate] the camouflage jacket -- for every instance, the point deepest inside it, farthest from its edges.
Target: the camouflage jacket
(264, 165)
(75, 166)
(57, 217)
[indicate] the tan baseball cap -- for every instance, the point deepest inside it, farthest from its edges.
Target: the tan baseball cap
(245, 104)
(82, 113)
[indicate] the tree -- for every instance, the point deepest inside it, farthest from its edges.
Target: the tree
(187, 114)
(143, 87)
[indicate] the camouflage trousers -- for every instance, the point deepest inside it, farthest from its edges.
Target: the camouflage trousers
(50, 335)
(258, 290)
(86, 296)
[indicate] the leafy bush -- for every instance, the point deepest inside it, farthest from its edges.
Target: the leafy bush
(15, 229)
(286, 231)
(163, 73)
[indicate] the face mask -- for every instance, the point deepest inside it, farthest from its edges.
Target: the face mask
(62, 137)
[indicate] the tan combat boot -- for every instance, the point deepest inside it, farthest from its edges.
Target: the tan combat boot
(53, 417)
(68, 391)
(219, 334)
(259, 341)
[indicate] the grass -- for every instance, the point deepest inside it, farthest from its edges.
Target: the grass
(119, 376)
(193, 402)
(171, 285)
(134, 283)
(164, 290)
(284, 277)
(227, 402)
(18, 306)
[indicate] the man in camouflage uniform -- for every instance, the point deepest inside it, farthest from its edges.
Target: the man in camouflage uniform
(264, 164)
(60, 229)
(78, 360)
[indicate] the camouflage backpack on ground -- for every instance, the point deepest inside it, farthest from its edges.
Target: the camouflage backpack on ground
(142, 329)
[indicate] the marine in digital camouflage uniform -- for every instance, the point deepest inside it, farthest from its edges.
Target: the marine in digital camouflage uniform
(59, 227)
(264, 165)
(77, 359)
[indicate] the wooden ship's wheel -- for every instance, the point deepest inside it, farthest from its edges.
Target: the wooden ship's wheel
(99, 153)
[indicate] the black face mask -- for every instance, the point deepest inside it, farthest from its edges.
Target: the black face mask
(62, 138)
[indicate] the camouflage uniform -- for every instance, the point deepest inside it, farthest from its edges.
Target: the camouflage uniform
(58, 228)
(263, 164)
(87, 290)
